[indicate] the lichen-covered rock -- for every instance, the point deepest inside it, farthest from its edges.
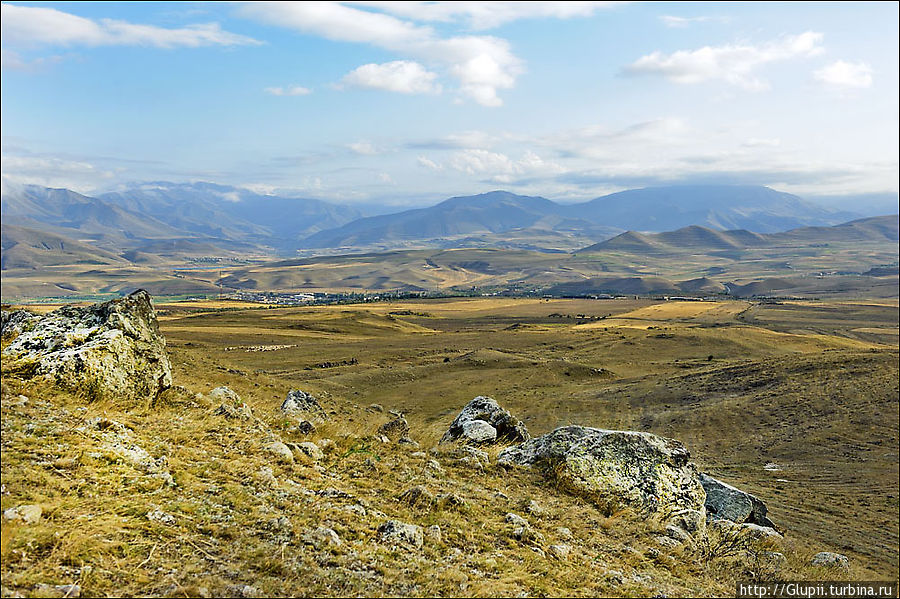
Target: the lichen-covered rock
(394, 532)
(474, 422)
(109, 350)
(729, 503)
(827, 559)
(616, 468)
(301, 403)
(14, 322)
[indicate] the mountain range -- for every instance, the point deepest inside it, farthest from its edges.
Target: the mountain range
(176, 221)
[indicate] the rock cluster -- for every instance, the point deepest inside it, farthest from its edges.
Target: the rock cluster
(109, 350)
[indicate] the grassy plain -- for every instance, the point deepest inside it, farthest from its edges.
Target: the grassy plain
(811, 387)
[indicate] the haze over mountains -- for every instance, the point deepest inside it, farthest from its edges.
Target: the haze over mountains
(173, 220)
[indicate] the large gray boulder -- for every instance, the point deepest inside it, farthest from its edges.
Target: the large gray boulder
(725, 502)
(107, 350)
(482, 421)
(616, 468)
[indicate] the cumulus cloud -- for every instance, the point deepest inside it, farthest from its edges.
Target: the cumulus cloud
(429, 163)
(291, 90)
(401, 76)
(487, 15)
(845, 74)
(500, 168)
(31, 26)
(481, 64)
(734, 63)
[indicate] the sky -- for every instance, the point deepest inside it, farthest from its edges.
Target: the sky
(408, 103)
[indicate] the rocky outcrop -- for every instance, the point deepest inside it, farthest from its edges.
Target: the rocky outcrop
(484, 421)
(109, 350)
(616, 468)
(728, 503)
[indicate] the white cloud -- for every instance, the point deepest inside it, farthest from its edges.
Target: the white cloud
(845, 74)
(487, 15)
(681, 22)
(734, 64)
(429, 164)
(54, 171)
(30, 26)
(401, 76)
(500, 168)
(291, 90)
(482, 64)
(363, 148)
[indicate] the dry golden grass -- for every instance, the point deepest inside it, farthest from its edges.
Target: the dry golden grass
(821, 405)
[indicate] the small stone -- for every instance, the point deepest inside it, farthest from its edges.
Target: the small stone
(434, 466)
(560, 552)
(534, 508)
(28, 514)
(57, 590)
(323, 537)
(564, 532)
(310, 450)
(377, 408)
(417, 496)
(225, 395)
(242, 590)
(419, 455)
(515, 519)
(395, 429)
(281, 451)
(161, 517)
(827, 559)
(452, 501)
(433, 533)
(395, 532)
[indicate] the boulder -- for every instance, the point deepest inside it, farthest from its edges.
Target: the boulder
(107, 350)
(616, 468)
(302, 403)
(27, 514)
(725, 502)
(484, 421)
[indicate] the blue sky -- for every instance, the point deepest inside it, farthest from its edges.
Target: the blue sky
(412, 102)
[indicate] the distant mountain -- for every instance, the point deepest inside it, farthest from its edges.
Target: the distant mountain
(221, 211)
(723, 207)
(28, 248)
(80, 217)
(696, 239)
(489, 213)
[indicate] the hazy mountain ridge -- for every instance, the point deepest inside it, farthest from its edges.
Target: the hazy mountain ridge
(695, 238)
(720, 207)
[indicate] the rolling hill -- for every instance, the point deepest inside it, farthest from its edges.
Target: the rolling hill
(697, 239)
(31, 249)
